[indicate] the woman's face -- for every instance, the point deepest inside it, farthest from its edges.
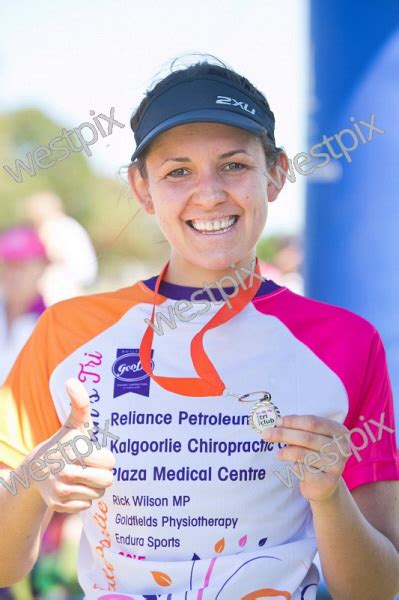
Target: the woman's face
(207, 187)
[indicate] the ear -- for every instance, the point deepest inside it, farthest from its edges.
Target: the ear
(140, 189)
(277, 177)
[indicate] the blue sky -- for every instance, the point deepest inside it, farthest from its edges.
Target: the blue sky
(69, 57)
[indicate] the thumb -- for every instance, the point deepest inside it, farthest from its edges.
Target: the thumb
(80, 406)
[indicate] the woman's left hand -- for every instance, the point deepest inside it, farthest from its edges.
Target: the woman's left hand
(312, 442)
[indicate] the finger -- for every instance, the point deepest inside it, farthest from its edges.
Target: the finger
(73, 506)
(303, 473)
(313, 462)
(65, 493)
(80, 406)
(295, 437)
(66, 446)
(91, 476)
(313, 423)
(311, 470)
(89, 456)
(104, 459)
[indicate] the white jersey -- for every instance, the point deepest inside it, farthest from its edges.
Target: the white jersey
(201, 508)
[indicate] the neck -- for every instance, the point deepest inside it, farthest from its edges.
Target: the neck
(182, 272)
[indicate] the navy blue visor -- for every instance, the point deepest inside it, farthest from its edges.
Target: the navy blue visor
(209, 99)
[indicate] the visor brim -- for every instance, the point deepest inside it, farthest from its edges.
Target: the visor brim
(225, 117)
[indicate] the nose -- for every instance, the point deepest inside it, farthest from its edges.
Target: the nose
(209, 189)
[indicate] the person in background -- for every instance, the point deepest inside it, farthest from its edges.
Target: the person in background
(23, 260)
(73, 262)
(286, 266)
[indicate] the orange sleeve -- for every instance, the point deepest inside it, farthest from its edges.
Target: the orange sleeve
(27, 412)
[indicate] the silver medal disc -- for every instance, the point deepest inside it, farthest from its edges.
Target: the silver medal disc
(263, 415)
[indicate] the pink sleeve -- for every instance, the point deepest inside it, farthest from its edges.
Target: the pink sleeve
(371, 421)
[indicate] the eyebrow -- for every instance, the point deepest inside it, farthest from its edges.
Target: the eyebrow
(224, 155)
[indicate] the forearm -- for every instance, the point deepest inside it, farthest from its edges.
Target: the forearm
(359, 562)
(22, 517)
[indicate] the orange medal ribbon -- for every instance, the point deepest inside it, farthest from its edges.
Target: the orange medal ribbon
(209, 382)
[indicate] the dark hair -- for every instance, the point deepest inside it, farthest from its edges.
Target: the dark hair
(206, 67)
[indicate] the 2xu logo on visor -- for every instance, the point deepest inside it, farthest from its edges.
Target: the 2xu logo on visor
(234, 102)
(129, 373)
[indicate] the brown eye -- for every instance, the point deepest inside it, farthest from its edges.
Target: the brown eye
(236, 166)
(177, 172)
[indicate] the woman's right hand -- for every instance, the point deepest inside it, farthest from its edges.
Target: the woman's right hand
(69, 471)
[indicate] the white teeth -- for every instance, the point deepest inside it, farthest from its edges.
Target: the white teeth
(216, 225)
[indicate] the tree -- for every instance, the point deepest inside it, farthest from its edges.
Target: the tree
(118, 226)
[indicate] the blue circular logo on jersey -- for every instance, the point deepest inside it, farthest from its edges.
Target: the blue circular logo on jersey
(128, 368)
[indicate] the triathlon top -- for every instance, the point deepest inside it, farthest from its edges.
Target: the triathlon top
(201, 507)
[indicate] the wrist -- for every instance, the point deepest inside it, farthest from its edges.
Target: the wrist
(330, 500)
(27, 484)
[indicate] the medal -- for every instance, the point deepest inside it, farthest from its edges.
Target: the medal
(264, 413)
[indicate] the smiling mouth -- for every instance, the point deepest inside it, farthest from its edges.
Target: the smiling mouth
(213, 227)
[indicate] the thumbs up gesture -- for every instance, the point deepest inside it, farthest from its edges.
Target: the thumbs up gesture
(72, 467)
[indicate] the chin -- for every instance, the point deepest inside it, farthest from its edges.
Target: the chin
(221, 263)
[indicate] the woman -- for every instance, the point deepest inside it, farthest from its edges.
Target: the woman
(203, 381)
